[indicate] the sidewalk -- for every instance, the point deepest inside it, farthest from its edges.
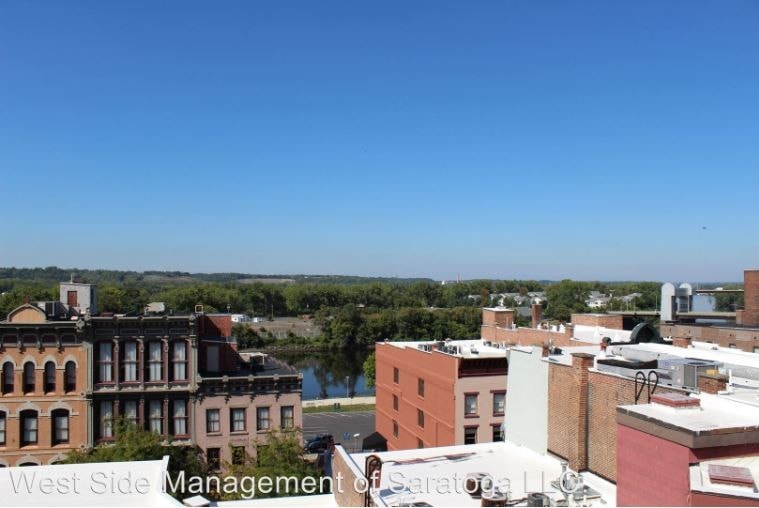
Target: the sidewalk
(343, 401)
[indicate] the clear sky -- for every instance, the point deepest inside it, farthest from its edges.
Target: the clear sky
(584, 139)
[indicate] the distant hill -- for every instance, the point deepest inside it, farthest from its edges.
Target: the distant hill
(54, 274)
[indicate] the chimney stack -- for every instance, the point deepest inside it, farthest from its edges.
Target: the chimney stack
(751, 297)
(536, 312)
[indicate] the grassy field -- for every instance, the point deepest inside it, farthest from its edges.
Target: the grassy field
(343, 409)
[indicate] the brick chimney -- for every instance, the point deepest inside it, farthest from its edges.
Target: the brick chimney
(536, 312)
(751, 297)
(682, 341)
(712, 382)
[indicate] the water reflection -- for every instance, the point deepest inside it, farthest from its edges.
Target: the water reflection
(330, 374)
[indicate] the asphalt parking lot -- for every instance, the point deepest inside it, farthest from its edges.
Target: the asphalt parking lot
(338, 424)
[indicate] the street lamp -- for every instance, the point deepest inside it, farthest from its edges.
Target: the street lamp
(355, 446)
(347, 387)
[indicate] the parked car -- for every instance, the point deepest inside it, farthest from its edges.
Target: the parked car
(319, 443)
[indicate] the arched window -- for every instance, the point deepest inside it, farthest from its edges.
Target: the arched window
(69, 382)
(28, 427)
(60, 426)
(49, 377)
(29, 381)
(8, 375)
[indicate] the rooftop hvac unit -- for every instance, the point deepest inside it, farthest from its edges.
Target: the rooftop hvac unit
(425, 347)
(684, 372)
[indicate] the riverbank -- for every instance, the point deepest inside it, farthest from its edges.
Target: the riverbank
(339, 404)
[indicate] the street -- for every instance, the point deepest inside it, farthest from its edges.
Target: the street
(338, 424)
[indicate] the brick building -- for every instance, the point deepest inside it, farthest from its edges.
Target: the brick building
(440, 393)
(688, 451)
(66, 375)
(43, 372)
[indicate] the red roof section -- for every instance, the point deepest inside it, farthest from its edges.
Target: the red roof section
(675, 400)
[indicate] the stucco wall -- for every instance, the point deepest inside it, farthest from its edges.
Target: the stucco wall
(527, 400)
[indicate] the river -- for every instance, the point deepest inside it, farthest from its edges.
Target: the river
(330, 374)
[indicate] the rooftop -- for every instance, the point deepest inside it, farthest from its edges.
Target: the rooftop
(463, 348)
(437, 475)
(714, 415)
(705, 477)
(94, 484)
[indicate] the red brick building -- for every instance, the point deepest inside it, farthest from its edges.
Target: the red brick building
(440, 393)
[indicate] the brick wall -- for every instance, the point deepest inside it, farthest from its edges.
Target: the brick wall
(751, 297)
(567, 406)
(604, 320)
(530, 336)
(439, 372)
(497, 317)
(743, 339)
(605, 393)
(712, 383)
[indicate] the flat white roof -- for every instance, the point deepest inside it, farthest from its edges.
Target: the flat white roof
(465, 348)
(137, 483)
(319, 501)
(565, 357)
(437, 475)
(596, 334)
(715, 412)
(704, 351)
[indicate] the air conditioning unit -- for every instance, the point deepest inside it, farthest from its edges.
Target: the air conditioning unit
(684, 372)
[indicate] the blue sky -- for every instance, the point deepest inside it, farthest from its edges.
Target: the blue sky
(587, 140)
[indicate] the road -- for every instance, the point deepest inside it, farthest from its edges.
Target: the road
(337, 424)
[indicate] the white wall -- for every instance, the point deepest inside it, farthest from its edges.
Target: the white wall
(527, 399)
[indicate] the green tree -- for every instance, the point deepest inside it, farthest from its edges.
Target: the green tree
(369, 370)
(565, 298)
(279, 455)
(133, 444)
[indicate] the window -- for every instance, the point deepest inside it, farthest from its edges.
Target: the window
(470, 435)
(497, 433)
(420, 418)
(156, 416)
(395, 429)
(69, 377)
(28, 427)
(71, 299)
(179, 360)
(420, 387)
(49, 377)
(470, 404)
(60, 426)
(237, 419)
(29, 377)
(262, 418)
(396, 375)
(499, 403)
(129, 411)
(105, 362)
(238, 455)
(155, 361)
(180, 417)
(213, 458)
(213, 421)
(2, 428)
(8, 374)
(419, 443)
(395, 402)
(130, 362)
(106, 419)
(287, 417)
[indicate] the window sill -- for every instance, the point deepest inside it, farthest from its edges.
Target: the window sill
(498, 414)
(471, 416)
(238, 433)
(214, 434)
